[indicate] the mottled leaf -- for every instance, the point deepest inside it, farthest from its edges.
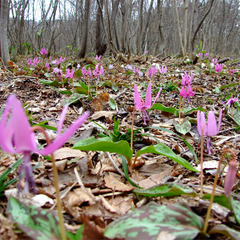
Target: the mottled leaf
(35, 222)
(166, 190)
(112, 103)
(164, 150)
(221, 200)
(51, 83)
(183, 127)
(225, 230)
(147, 222)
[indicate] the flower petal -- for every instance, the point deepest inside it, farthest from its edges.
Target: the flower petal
(60, 140)
(201, 121)
(230, 177)
(62, 117)
(157, 96)
(148, 99)
(220, 120)
(212, 124)
(137, 99)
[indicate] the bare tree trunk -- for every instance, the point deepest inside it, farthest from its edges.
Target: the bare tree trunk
(83, 48)
(112, 23)
(100, 46)
(200, 24)
(125, 10)
(185, 24)
(190, 24)
(4, 39)
(140, 26)
(180, 39)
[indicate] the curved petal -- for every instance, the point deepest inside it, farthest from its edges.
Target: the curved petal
(201, 121)
(183, 92)
(17, 134)
(220, 120)
(61, 120)
(157, 96)
(137, 99)
(148, 99)
(212, 124)
(60, 140)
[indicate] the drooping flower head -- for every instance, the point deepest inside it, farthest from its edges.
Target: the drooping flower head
(69, 74)
(187, 92)
(186, 79)
(44, 51)
(218, 67)
(152, 71)
(210, 127)
(17, 136)
(98, 71)
(162, 70)
(231, 101)
(137, 71)
(143, 106)
(98, 58)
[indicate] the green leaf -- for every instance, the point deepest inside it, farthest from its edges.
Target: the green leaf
(164, 150)
(166, 190)
(225, 230)
(35, 222)
(125, 170)
(236, 210)
(159, 106)
(229, 85)
(184, 127)
(221, 200)
(66, 92)
(184, 140)
(75, 97)
(149, 221)
(78, 235)
(106, 145)
(235, 115)
(114, 87)
(112, 103)
(51, 83)
(187, 111)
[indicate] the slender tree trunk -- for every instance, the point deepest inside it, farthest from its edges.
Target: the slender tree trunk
(185, 26)
(180, 39)
(83, 48)
(4, 39)
(140, 26)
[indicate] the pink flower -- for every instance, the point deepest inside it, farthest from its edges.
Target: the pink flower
(44, 51)
(98, 71)
(137, 71)
(98, 58)
(230, 177)
(152, 71)
(199, 54)
(84, 71)
(232, 100)
(58, 72)
(218, 67)
(214, 61)
(186, 79)
(206, 54)
(61, 59)
(17, 136)
(232, 71)
(47, 65)
(140, 105)
(69, 73)
(187, 93)
(162, 70)
(210, 127)
(89, 73)
(146, 52)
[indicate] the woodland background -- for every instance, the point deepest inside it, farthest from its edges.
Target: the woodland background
(80, 27)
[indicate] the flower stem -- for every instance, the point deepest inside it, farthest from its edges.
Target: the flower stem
(56, 183)
(213, 191)
(201, 191)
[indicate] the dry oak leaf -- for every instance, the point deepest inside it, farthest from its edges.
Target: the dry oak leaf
(105, 114)
(115, 184)
(66, 152)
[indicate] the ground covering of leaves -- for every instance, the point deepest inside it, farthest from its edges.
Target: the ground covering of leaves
(93, 192)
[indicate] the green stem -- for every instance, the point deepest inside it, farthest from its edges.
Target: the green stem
(213, 191)
(56, 184)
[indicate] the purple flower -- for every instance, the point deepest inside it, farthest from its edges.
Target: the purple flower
(47, 65)
(140, 105)
(57, 71)
(69, 73)
(186, 79)
(17, 136)
(187, 93)
(210, 127)
(199, 54)
(110, 66)
(206, 54)
(232, 71)
(230, 177)
(129, 67)
(84, 71)
(218, 67)
(44, 51)
(138, 71)
(89, 73)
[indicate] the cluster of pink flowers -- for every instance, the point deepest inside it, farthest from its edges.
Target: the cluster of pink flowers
(69, 74)
(186, 90)
(33, 62)
(86, 72)
(44, 51)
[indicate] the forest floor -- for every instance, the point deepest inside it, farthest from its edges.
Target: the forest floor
(93, 192)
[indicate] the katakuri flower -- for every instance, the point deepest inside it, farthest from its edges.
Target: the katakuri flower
(162, 70)
(69, 74)
(186, 79)
(44, 51)
(17, 136)
(140, 105)
(210, 127)
(98, 71)
(230, 177)
(187, 93)
(231, 101)
(218, 67)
